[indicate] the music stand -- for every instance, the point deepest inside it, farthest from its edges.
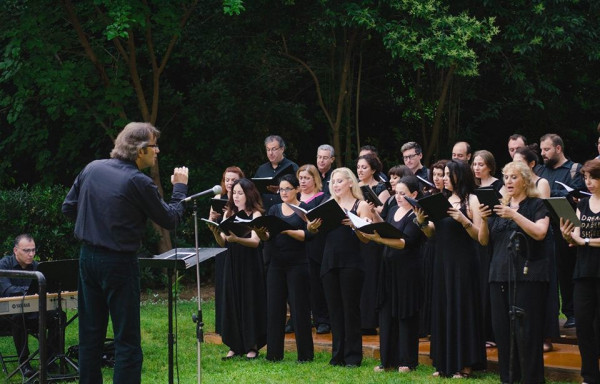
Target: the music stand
(61, 275)
(178, 259)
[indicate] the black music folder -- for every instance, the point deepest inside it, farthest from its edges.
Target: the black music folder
(273, 223)
(262, 183)
(218, 204)
(560, 207)
(229, 225)
(578, 193)
(370, 195)
(384, 229)
(487, 196)
(329, 212)
(435, 206)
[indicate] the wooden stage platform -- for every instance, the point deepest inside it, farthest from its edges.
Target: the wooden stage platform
(561, 364)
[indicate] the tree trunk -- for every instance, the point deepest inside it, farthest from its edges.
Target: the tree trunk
(439, 111)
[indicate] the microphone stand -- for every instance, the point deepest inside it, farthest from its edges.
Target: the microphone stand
(197, 318)
(514, 311)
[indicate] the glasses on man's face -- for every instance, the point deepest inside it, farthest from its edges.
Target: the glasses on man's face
(28, 250)
(324, 158)
(271, 150)
(154, 146)
(410, 157)
(285, 190)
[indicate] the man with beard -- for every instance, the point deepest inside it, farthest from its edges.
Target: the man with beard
(558, 168)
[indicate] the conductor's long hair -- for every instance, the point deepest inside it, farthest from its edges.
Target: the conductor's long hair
(253, 199)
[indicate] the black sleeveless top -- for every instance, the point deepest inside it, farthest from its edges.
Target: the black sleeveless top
(342, 248)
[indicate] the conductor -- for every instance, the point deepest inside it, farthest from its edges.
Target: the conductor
(110, 201)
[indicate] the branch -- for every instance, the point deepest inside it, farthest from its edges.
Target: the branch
(72, 15)
(285, 53)
(135, 78)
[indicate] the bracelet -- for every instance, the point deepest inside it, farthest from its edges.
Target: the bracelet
(468, 225)
(421, 225)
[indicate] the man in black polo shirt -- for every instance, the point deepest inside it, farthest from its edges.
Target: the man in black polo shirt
(275, 147)
(22, 260)
(111, 201)
(325, 159)
(558, 168)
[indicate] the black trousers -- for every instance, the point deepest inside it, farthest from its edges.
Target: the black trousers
(398, 339)
(23, 325)
(528, 356)
(565, 265)
(343, 288)
(288, 284)
(318, 304)
(587, 305)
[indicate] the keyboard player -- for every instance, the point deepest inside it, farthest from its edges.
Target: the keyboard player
(22, 259)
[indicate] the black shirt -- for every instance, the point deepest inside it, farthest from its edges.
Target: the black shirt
(267, 170)
(536, 252)
(588, 258)
(111, 201)
(15, 286)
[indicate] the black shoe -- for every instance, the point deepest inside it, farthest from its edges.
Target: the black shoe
(570, 323)
(289, 328)
(27, 370)
(323, 328)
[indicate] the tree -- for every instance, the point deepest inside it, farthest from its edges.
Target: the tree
(105, 58)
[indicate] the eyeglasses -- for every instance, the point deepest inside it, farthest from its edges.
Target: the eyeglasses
(286, 190)
(323, 158)
(155, 146)
(410, 157)
(28, 250)
(271, 150)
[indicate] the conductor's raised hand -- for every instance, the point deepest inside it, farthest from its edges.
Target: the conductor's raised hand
(180, 175)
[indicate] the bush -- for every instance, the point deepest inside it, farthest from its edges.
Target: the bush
(37, 211)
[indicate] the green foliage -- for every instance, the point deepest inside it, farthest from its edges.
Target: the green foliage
(37, 211)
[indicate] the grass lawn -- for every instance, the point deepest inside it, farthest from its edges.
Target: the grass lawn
(239, 370)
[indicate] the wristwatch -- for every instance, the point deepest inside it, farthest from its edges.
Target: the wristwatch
(586, 242)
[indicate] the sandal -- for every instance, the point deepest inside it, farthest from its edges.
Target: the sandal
(379, 368)
(404, 369)
(252, 357)
(230, 355)
(461, 375)
(436, 374)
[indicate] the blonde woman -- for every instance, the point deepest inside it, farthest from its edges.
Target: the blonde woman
(342, 271)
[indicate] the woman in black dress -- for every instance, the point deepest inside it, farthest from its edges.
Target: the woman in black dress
(457, 345)
(586, 295)
(287, 277)
(244, 325)
(311, 195)
(428, 251)
(400, 290)
(342, 271)
(367, 167)
(518, 275)
(230, 176)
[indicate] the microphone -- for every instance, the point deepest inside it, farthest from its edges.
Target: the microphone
(214, 190)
